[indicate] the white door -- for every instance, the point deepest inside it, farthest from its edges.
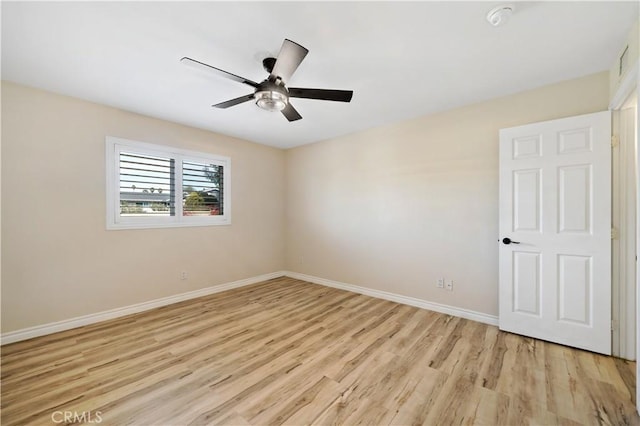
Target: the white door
(555, 231)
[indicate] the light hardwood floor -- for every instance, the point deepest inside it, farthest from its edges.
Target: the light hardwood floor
(290, 352)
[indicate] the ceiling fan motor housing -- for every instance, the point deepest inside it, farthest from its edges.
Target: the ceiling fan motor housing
(271, 96)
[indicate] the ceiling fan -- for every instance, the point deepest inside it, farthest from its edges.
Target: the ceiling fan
(272, 94)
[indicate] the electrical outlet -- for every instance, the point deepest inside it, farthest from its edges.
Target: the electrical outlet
(449, 285)
(440, 283)
(184, 275)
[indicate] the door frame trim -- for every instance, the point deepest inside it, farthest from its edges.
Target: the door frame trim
(624, 245)
(629, 85)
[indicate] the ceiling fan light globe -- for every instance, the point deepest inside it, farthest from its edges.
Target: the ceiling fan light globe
(271, 100)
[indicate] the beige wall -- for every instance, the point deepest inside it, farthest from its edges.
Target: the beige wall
(59, 261)
(396, 207)
(391, 209)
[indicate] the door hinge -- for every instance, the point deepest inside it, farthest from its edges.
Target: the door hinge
(614, 233)
(615, 141)
(614, 325)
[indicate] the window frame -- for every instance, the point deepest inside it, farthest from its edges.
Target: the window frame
(114, 146)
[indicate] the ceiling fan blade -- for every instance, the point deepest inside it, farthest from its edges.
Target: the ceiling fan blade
(290, 112)
(322, 94)
(289, 59)
(202, 66)
(233, 102)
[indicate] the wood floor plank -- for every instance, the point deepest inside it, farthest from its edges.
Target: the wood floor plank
(290, 352)
(488, 407)
(420, 397)
(301, 407)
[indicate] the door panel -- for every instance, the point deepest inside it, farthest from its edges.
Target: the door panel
(574, 141)
(574, 199)
(526, 282)
(527, 200)
(555, 205)
(574, 289)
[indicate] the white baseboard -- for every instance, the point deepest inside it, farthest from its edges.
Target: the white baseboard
(54, 327)
(405, 300)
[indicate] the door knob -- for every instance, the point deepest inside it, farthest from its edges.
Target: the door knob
(508, 240)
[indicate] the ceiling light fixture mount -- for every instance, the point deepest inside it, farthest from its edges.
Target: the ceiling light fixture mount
(500, 15)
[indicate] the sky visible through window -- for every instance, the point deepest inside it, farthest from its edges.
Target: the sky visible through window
(144, 173)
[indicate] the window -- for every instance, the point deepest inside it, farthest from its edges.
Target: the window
(153, 186)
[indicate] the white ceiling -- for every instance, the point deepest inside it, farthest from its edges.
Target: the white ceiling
(402, 60)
